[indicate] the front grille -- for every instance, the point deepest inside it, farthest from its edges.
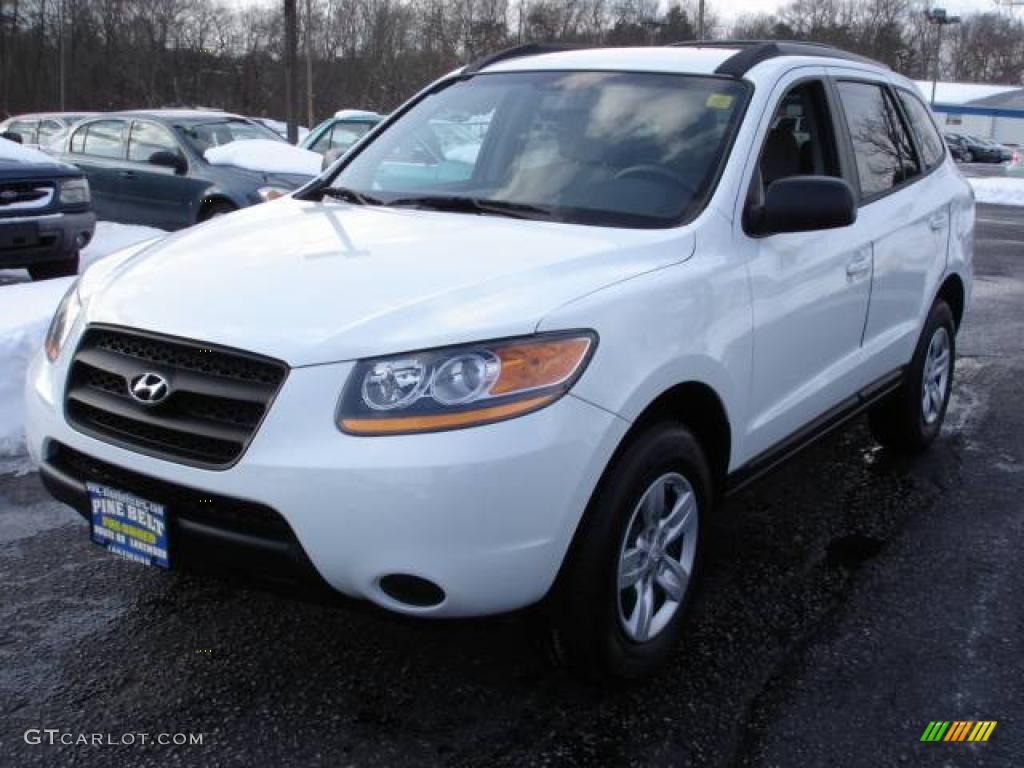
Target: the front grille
(25, 195)
(217, 397)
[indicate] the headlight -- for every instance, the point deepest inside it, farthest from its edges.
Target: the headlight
(74, 191)
(271, 193)
(67, 313)
(462, 386)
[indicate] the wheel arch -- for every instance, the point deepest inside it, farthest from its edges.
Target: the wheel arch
(952, 291)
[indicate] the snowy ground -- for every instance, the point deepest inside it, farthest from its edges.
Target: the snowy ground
(999, 191)
(25, 312)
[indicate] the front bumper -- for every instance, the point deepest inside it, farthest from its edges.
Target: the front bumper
(485, 513)
(60, 237)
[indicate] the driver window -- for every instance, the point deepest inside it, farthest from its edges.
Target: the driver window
(801, 139)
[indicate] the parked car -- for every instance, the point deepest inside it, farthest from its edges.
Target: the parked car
(45, 212)
(974, 150)
(336, 135)
(41, 130)
(469, 387)
(957, 148)
(149, 167)
(1005, 154)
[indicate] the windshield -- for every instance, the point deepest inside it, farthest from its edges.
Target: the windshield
(205, 133)
(608, 148)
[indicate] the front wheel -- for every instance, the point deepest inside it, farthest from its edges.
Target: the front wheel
(911, 418)
(622, 598)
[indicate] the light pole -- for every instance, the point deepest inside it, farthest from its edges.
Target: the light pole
(700, 20)
(940, 19)
(290, 84)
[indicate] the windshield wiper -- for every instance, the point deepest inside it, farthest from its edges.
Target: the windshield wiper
(347, 195)
(474, 205)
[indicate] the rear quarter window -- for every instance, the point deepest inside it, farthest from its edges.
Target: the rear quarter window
(933, 149)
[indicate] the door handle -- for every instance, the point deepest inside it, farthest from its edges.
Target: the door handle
(937, 222)
(128, 174)
(860, 264)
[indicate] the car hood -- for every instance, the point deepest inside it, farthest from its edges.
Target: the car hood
(286, 180)
(313, 282)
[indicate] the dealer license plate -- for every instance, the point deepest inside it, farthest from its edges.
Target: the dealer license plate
(129, 526)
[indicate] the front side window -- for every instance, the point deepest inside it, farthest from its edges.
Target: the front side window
(881, 145)
(932, 148)
(605, 148)
(801, 139)
(205, 133)
(147, 139)
(103, 138)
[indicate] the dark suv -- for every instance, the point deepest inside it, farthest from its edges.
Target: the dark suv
(46, 213)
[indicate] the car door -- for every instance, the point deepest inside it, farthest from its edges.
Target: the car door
(98, 147)
(157, 194)
(809, 290)
(904, 204)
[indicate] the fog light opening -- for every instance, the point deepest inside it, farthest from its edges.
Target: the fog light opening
(412, 590)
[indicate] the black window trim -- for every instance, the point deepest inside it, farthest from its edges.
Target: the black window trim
(161, 127)
(125, 121)
(886, 87)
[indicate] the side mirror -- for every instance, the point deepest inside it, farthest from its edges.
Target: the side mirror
(330, 156)
(12, 136)
(803, 204)
(168, 159)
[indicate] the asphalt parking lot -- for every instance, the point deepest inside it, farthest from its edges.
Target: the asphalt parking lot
(847, 601)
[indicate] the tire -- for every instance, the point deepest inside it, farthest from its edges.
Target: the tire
(905, 421)
(48, 270)
(220, 208)
(595, 628)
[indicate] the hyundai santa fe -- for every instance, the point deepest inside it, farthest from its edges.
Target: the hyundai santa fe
(463, 378)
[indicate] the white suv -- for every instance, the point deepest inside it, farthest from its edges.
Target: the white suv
(518, 361)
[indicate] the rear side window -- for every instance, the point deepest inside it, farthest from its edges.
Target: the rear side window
(104, 138)
(882, 147)
(933, 151)
(48, 131)
(26, 129)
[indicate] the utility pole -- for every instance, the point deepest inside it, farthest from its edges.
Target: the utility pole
(939, 18)
(309, 63)
(60, 48)
(700, 20)
(290, 89)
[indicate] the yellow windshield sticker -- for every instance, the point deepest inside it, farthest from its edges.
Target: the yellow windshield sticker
(719, 101)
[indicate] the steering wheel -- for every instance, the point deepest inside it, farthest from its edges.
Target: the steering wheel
(659, 173)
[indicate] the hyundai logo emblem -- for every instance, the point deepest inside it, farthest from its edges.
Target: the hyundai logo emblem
(150, 388)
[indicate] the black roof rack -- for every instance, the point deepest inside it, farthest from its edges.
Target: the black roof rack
(753, 52)
(517, 51)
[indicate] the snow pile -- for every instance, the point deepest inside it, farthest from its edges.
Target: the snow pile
(25, 313)
(12, 150)
(998, 191)
(111, 237)
(267, 156)
(27, 310)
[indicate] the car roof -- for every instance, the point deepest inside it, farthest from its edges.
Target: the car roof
(729, 58)
(175, 114)
(46, 115)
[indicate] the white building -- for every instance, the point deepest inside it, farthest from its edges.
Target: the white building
(987, 111)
